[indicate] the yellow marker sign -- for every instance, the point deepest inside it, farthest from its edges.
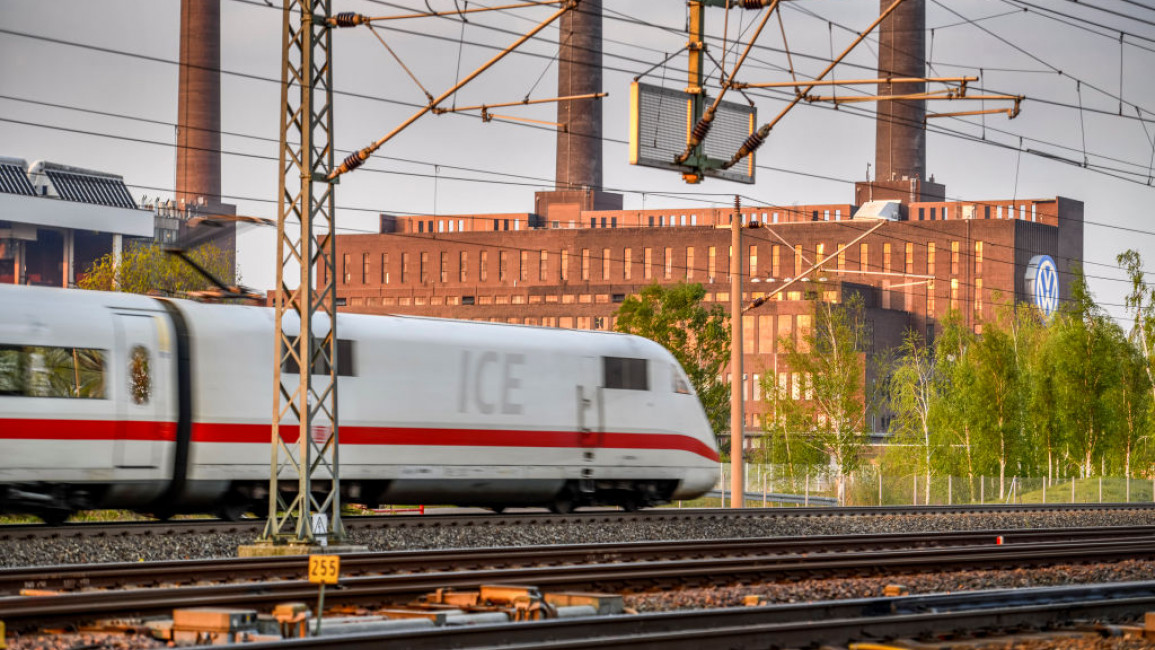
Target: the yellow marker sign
(324, 569)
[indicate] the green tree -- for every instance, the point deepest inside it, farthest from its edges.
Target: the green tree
(958, 404)
(148, 269)
(914, 389)
(698, 337)
(997, 385)
(1087, 377)
(1141, 303)
(830, 365)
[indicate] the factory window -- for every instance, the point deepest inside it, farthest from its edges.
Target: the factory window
(523, 267)
(468, 300)
(34, 371)
(749, 343)
(420, 226)
(404, 267)
(826, 215)
(346, 272)
(502, 266)
(785, 330)
(441, 225)
(683, 219)
(605, 264)
(651, 221)
(613, 222)
(798, 260)
(461, 225)
(930, 258)
(618, 298)
(593, 222)
(886, 258)
(766, 334)
(921, 214)
(804, 332)
(517, 224)
(506, 224)
(909, 257)
(647, 263)
(954, 294)
(979, 297)
(543, 266)
(819, 253)
(930, 289)
(711, 262)
(933, 212)
(693, 219)
(364, 268)
(623, 373)
(345, 367)
(945, 213)
(384, 268)
(774, 217)
(753, 260)
(669, 261)
(444, 267)
(986, 212)
(585, 264)
(462, 266)
(564, 265)
(842, 257)
(776, 261)
(627, 264)
(424, 267)
(838, 214)
(603, 222)
(690, 263)
(954, 258)
(998, 212)
(978, 258)
(483, 267)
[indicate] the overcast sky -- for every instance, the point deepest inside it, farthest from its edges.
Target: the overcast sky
(94, 84)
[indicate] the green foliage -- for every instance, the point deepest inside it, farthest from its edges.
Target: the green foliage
(1068, 397)
(148, 269)
(825, 419)
(697, 336)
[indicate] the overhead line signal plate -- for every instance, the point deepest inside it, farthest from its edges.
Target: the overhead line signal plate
(660, 126)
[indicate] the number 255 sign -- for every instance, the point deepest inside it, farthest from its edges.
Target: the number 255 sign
(324, 569)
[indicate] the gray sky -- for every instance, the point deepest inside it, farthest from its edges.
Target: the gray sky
(454, 164)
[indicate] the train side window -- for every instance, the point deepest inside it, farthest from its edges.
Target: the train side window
(321, 367)
(39, 371)
(628, 374)
(680, 385)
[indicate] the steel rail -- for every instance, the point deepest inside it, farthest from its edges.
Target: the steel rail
(354, 523)
(121, 575)
(829, 623)
(23, 611)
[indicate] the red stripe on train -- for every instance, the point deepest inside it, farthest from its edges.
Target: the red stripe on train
(259, 433)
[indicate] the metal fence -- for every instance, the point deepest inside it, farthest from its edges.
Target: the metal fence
(873, 486)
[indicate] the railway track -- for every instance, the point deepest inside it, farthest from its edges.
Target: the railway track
(831, 623)
(253, 527)
(187, 572)
(377, 589)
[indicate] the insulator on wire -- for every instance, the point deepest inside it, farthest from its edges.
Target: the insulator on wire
(352, 161)
(751, 145)
(349, 19)
(701, 129)
(754, 4)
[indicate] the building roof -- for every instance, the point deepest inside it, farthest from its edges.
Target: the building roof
(81, 185)
(14, 177)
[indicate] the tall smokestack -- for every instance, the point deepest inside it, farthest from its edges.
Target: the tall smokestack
(900, 135)
(198, 153)
(198, 158)
(579, 72)
(900, 141)
(578, 180)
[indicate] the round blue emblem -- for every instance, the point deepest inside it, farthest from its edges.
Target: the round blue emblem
(1043, 283)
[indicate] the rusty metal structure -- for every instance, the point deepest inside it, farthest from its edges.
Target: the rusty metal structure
(305, 431)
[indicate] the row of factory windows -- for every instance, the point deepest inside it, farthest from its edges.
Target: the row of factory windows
(588, 264)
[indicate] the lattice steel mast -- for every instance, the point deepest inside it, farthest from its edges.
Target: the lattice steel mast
(305, 429)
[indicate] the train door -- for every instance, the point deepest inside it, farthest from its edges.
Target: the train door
(139, 400)
(590, 407)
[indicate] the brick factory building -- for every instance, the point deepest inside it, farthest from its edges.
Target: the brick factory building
(574, 270)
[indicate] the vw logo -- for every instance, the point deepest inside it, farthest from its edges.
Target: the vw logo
(1043, 283)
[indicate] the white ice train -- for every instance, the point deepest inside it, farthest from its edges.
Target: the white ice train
(112, 400)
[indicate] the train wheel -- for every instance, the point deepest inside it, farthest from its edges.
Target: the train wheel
(54, 516)
(563, 504)
(497, 509)
(631, 503)
(234, 507)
